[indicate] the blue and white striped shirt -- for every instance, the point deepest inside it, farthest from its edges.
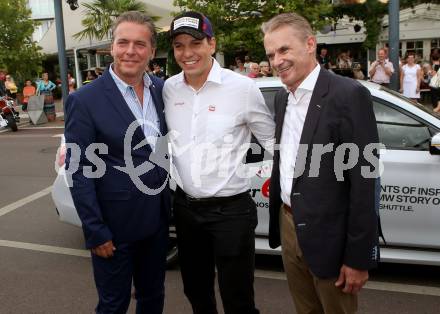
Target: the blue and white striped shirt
(145, 113)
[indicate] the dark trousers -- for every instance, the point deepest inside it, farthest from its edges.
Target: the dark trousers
(218, 233)
(143, 263)
(435, 96)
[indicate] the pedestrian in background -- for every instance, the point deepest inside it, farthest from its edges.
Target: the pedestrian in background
(214, 108)
(240, 69)
(157, 71)
(11, 88)
(71, 82)
(254, 70)
(265, 70)
(2, 83)
(28, 91)
(46, 87)
(381, 69)
(326, 226)
(435, 91)
(324, 59)
(411, 78)
(247, 64)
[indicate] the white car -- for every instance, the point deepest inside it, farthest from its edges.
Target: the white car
(410, 193)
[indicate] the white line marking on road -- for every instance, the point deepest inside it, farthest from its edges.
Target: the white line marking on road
(44, 248)
(43, 127)
(371, 285)
(9, 208)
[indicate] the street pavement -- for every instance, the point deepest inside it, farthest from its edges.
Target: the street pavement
(45, 269)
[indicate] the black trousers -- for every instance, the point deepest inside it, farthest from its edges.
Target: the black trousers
(435, 96)
(218, 232)
(142, 263)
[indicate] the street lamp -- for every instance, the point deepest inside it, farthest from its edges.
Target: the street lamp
(73, 4)
(61, 43)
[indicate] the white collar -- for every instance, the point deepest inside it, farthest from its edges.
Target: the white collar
(124, 86)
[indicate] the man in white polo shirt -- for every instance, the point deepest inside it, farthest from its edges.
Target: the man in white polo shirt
(212, 113)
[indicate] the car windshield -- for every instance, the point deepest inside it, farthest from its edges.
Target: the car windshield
(401, 97)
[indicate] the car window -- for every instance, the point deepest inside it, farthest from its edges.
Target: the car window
(269, 97)
(398, 130)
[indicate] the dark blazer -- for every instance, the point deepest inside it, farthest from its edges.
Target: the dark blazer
(335, 221)
(112, 207)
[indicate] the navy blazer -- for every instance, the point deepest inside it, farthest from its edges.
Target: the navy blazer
(336, 221)
(111, 207)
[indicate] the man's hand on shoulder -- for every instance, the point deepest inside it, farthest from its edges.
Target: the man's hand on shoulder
(104, 250)
(351, 280)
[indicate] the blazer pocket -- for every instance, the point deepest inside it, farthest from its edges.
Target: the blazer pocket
(114, 195)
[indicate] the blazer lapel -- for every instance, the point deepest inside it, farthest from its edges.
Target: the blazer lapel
(281, 112)
(158, 104)
(317, 102)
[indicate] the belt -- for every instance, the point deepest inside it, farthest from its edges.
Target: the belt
(215, 199)
(287, 208)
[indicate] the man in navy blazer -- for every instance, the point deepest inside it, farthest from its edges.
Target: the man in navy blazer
(121, 197)
(322, 201)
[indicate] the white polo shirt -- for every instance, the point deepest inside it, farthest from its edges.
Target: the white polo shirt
(296, 111)
(212, 129)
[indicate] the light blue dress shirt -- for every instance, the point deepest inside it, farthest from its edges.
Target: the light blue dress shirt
(145, 113)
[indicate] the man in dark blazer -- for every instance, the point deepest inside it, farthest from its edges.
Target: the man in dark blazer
(322, 208)
(124, 211)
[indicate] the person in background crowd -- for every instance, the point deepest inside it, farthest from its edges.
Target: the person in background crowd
(240, 69)
(343, 61)
(410, 78)
(381, 69)
(2, 83)
(327, 226)
(357, 72)
(89, 77)
(157, 71)
(45, 87)
(435, 92)
(98, 72)
(254, 70)
(71, 82)
(247, 63)
(28, 91)
(265, 69)
(324, 59)
(214, 213)
(11, 88)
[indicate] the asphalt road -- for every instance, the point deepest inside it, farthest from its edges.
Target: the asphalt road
(44, 268)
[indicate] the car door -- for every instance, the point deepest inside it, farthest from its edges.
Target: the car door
(410, 182)
(260, 182)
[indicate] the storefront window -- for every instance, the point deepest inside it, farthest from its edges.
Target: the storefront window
(415, 47)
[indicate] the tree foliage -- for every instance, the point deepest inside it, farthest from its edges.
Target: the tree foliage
(19, 54)
(100, 14)
(237, 23)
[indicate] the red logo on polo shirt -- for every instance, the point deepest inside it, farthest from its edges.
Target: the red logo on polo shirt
(211, 108)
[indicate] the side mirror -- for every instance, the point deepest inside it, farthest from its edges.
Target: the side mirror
(434, 145)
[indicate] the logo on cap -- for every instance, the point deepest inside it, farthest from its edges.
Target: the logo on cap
(186, 22)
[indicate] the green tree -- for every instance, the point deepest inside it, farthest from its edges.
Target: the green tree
(237, 22)
(19, 54)
(100, 15)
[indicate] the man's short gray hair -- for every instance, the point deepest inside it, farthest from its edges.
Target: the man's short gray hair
(138, 18)
(298, 23)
